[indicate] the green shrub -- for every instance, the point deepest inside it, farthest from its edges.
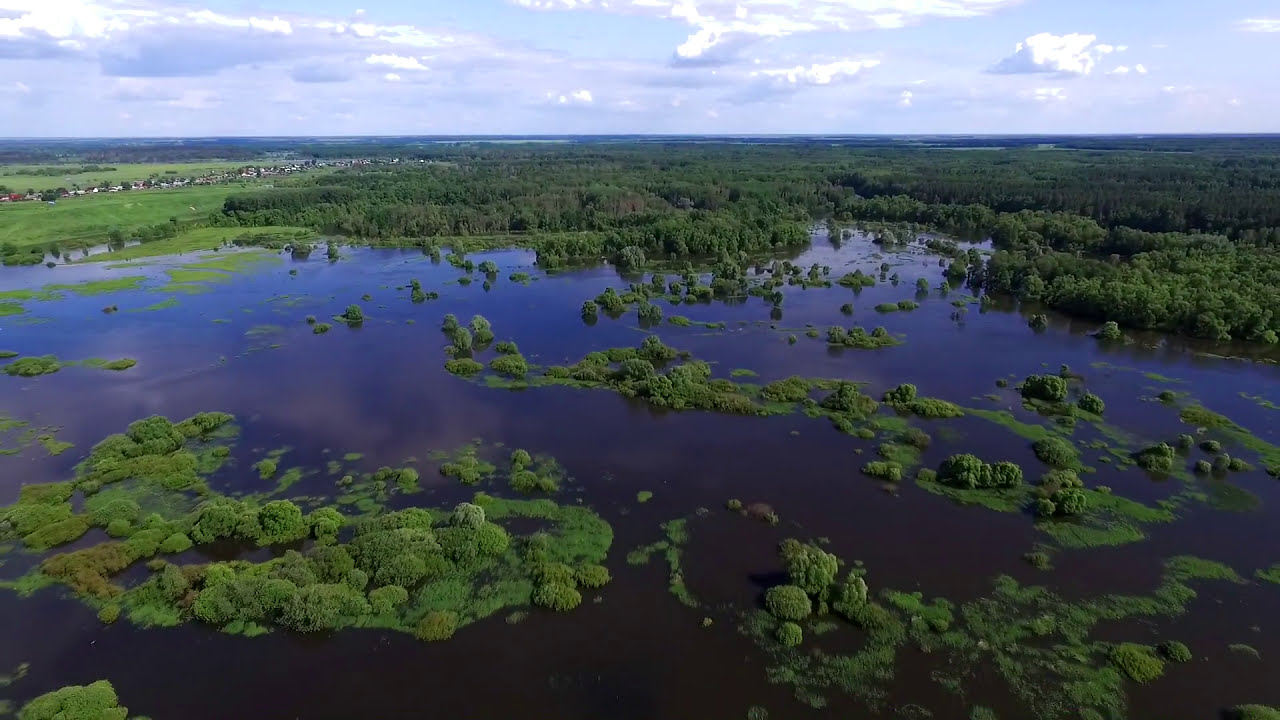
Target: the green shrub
(33, 366)
(464, 367)
(1175, 651)
(386, 599)
(649, 313)
(900, 395)
(1185, 441)
(1138, 662)
(1091, 403)
(555, 596)
(266, 468)
(789, 634)
(1038, 322)
(1056, 452)
(1157, 458)
(321, 328)
(175, 543)
(436, 625)
(1049, 388)
(1203, 467)
(968, 471)
(506, 347)
(788, 602)
(1110, 331)
(353, 315)
(95, 701)
(109, 614)
(592, 576)
(513, 365)
(1211, 446)
(790, 390)
(888, 471)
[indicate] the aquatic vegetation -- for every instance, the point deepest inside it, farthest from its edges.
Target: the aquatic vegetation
(859, 338)
(1056, 452)
(465, 367)
(1175, 651)
(1139, 662)
(789, 634)
(788, 602)
(510, 365)
(1050, 388)
(121, 364)
(95, 701)
(32, 366)
(1246, 650)
(1109, 332)
(967, 471)
(352, 316)
(1091, 403)
(321, 328)
(1252, 712)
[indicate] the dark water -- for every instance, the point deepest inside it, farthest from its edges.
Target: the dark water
(381, 390)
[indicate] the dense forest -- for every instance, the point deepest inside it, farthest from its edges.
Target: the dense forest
(1185, 240)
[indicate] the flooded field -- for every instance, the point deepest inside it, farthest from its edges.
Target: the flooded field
(674, 500)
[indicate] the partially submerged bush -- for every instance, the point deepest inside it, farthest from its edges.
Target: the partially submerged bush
(436, 625)
(1136, 661)
(968, 471)
(1056, 452)
(788, 602)
(513, 365)
(1049, 388)
(789, 634)
(556, 596)
(353, 315)
(1091, 403)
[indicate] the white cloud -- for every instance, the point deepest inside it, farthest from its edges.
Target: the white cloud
(22, 87)
(397, 62)
(1268, 25)
(1044, 95)
(905, 99)
(1125, 69)
(719, 29)
(1071, 54)
(576, 97)
(817, 74)
(391, 77)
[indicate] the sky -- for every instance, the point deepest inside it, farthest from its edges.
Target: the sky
(145, 68)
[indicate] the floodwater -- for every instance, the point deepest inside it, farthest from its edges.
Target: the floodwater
(381, 390)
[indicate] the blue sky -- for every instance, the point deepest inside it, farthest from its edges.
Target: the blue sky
(328, 67)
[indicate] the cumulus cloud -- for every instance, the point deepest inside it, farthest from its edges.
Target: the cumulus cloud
(1268, 25)
(1125, 69)
(720, 29)
(1071, 54)
(397, 62)
(574, 97)
(1045, 95)
(817, 74)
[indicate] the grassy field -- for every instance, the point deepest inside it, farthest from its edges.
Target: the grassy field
(206, 238)
(82, 221)
(20, 178)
